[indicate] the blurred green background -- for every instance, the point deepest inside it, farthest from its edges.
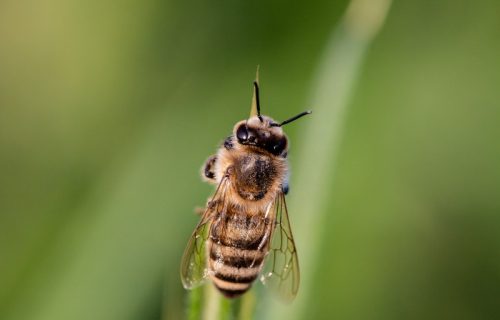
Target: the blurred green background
(108, 109)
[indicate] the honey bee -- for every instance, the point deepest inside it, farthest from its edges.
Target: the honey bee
(244, 230)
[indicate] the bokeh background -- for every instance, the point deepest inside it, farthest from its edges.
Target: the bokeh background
(109, 108)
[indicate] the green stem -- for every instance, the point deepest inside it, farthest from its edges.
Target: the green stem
(247, 306)
(194, 308)
(211, 307)
(208, 304)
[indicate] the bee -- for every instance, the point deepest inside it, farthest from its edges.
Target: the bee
(244, 230)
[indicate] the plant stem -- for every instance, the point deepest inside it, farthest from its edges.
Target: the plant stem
(211, 307)
(247, 306)
(195, 298)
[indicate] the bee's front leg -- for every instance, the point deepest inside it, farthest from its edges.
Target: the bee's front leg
(208, 169)
(285, 186)
(210, 206)
(199, 210)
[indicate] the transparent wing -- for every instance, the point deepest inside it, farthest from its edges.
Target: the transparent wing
(194, 261)
(281, 269)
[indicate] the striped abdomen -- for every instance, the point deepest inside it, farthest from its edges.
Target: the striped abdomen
(237, 246)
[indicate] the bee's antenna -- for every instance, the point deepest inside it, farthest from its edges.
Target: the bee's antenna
(257, 99)
(300, 115)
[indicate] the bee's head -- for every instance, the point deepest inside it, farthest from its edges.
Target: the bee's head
(262, 131)
(253, 132)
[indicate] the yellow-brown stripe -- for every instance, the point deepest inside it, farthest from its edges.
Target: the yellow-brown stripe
(231, 290)
(236, 257)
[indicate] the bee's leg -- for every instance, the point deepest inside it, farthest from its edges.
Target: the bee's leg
(208, 169)
(285, 187)
(199, 210)
(210, 206)
(228, 143)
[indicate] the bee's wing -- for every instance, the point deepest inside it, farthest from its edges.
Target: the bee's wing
(281, 269)
(194, 261)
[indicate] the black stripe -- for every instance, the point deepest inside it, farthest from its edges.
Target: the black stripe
(243, 244)
(235, 278)
(237, 262)
(232, 293)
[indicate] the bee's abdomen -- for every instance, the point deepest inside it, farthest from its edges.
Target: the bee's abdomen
(237, 248)
(234, 269)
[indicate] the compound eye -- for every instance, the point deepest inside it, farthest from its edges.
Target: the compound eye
(242, 133)
(279, 146)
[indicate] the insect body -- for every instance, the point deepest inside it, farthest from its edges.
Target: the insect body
(244, 231)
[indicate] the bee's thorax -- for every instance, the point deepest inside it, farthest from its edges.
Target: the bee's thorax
(256, 177)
